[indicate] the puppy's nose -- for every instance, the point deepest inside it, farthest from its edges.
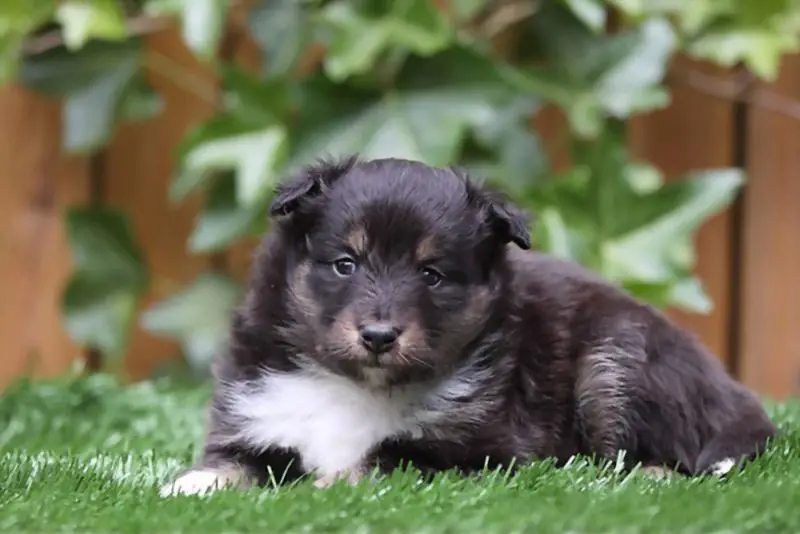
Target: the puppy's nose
(378, 337)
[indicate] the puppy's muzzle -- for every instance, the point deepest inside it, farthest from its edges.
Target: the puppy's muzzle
(378, 337)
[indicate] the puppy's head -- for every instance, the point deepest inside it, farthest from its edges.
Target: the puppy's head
(395, 265)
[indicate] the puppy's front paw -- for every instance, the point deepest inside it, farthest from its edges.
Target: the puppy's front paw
(197, 482)
(657, 472)
(351, 476)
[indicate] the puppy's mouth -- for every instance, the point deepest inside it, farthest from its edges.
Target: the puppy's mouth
(375, 368)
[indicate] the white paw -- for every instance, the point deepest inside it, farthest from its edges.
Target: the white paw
(722, 467)
(352, 476)
(657, 472)
(198, 482)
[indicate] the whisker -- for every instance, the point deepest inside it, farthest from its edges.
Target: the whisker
(409, 357)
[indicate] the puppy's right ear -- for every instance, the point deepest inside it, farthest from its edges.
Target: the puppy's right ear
(307, 184)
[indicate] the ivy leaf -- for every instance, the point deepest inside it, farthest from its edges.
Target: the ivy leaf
(755, 33)
(252, 99)
(621, 219)
(688, 293)
(109, 277)
(249, 138)
(23, 15)
(228, 143)
(198, 317)
(553, 235)
(467, 9)
(188, 180)
(140, 102)
(595, 76)
(282, 30)
(10, 50)
(591, 12)
(631, 85)
(517, 157)
(760, 49)
(359, 36)
(18, 19)
(223, 220)
(427, 116)
(92, 81)
(82, 20)
(203, 23)
(652, 250)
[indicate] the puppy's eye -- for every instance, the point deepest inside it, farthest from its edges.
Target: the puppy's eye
(344, 266)
(431, 277)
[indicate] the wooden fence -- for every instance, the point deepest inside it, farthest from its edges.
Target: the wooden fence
(749, 257)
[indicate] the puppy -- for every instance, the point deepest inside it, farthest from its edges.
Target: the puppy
(394, 317)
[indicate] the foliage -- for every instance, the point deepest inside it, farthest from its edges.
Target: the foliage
(408, 78)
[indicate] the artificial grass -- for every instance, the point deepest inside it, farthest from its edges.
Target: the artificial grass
(88, 455)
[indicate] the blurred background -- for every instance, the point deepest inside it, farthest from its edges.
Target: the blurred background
(658, 143)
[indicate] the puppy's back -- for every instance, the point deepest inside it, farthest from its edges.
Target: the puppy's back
(639, 382)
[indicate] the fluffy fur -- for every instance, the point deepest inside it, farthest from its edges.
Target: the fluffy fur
(487, 353)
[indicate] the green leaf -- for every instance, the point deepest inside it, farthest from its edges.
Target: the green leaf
(140, 102)
(252, 99)
(359, 37)
(198, 317)
(248, 138)
(108, 279)
(731, 31)
(223, 220)
(467, 9)
(254, 155)
(254, 149)
(82, 20)
(760, 49)
(18, 19)
(90, 115)
(10, 51)
(24, 15)
(188, 181)
(203, 24)
(620, 219)
(282, 30)
(517, 153)
(649, 252)
(426, 116)
(92, 82)
(595, 76)
(553, 235)
(630, 86)
(591, 12)
(689, 295)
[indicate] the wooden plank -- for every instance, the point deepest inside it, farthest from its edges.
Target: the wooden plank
(139, 167)
(770, 314)
(36, 184)
(696, 131)
(551, 125)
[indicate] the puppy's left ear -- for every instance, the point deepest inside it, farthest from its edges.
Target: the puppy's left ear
(509, 222)
(307, 184)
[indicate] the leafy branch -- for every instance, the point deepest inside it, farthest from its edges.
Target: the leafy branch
(442, 82)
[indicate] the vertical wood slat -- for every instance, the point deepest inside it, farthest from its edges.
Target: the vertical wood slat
(36, 184)
(139, 167)
(696, 132)
(770, 311)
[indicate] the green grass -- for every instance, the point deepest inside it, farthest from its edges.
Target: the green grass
(88, 455)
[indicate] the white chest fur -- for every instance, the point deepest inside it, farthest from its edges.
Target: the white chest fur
(331, 421)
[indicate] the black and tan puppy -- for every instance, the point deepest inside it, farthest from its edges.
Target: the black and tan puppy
(392, 316)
